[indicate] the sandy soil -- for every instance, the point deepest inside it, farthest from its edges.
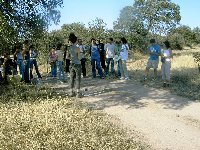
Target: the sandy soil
(162, 120)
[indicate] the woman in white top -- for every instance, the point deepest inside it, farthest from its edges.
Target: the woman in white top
(124, 57)
(166, 57)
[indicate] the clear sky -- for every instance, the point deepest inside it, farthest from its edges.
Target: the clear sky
(85, 11)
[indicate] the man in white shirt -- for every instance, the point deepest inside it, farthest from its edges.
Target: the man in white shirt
(110, 53)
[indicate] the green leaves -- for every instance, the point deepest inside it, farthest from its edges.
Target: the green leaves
(28, 18)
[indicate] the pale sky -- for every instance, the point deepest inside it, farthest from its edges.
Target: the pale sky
(85, 11)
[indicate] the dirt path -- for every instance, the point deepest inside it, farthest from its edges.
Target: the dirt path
(163, 120)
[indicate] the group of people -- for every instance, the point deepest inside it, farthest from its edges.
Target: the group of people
(24, 58)
(103, 58)
(165, 53)
(71, 59)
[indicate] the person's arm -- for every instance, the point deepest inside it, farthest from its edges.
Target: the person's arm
(16, 52)
(78, 53)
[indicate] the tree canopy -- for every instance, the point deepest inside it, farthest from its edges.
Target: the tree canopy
(27, 18)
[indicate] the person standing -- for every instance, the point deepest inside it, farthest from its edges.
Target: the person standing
(100, 45)
(52, 62)
(67, 59)
(154, 51)
(26, 58)
(166, 56)
(20, 62)
(118, 48)
(123, 60)
(110, 53)
(60, 62)
(95, 59)
(75, 67)
(33, 62)
(82, 53)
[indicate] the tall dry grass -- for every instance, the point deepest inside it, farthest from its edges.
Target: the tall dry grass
(47, 121)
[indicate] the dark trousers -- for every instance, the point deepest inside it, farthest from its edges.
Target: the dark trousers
(103, 61)
(34, 63)
(27, 72)
(83, 61)
(67, 64)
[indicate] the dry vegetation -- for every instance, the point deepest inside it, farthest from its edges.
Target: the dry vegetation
(32, 119)
(185, 75)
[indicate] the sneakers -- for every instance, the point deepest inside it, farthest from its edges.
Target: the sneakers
(72, 94)
(122, 78)
(127, 78)
(164, 84)
(79, 95)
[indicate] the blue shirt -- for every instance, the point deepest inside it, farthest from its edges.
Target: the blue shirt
(154, 48)
(95, 54)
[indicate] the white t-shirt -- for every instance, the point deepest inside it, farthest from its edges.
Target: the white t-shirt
(167, 55)
(124, 52)
(110, 50)
(82, 50)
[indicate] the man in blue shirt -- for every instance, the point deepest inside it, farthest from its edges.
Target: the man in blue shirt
(154, 51)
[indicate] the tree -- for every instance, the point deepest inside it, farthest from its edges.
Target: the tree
(146, 18)
(78, 28)
(184, 36)
(28, 18)
(97, 28)
(157, 16)
(196, 33)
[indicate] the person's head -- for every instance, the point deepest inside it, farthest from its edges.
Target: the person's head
(31, 47)
(117, 42)
(59, 45)
(80, 41)
(101, 40)
(93, 41)
(17, 47)
(72, 38)
(152, 41)
(6, 55)
(26, 45)
(123, 40)
(166, 44)
(97, 41)
(110, 40)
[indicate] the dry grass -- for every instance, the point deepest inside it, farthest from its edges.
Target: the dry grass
(47, 121)
(185, 76)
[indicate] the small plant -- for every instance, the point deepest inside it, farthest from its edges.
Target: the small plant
(197, 59)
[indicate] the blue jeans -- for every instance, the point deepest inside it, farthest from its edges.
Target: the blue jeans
(34, 62)
(20, 63)
(96, 63)
(108, 61)
(53, 69)
(61, 73)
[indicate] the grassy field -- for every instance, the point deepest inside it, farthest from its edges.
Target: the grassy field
(32, 119)
(185, 75)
